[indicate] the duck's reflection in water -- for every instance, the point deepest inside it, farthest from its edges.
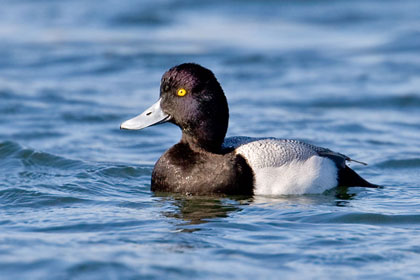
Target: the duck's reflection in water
(339, 197)
(195, 210)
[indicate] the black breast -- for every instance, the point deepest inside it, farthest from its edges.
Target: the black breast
(183, 170)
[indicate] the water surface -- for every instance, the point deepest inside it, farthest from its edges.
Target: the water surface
(75, 199)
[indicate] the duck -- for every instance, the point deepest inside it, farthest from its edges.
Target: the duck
(204, 162)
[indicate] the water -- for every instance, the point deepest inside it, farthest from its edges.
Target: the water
(75, 199)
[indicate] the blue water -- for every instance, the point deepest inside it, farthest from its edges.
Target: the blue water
(75, 199)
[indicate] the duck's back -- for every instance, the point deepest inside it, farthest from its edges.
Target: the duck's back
(283, 166)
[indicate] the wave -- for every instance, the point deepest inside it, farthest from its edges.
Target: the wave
(402, 101)
(20, 197)
(409, 100)
(12, 151)
(33, 178)
(400, 163)
(364, 218)
(30, 157)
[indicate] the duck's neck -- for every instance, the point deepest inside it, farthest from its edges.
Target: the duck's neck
(207, 136)
(202, 145)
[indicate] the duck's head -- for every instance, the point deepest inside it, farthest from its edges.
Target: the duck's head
(192, 98)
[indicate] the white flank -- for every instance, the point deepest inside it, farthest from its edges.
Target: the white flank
(313, 176)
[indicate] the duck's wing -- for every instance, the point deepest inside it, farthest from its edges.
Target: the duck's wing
(273, 152)
(338, 158)
(269, 152)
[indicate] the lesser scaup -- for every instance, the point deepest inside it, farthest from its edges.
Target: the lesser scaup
(204, 162)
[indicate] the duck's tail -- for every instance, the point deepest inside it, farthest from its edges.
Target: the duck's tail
(347, 177)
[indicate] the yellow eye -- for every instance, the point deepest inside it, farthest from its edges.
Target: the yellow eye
(182, 92)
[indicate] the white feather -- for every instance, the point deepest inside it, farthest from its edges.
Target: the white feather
(315, 175)
(285, 167)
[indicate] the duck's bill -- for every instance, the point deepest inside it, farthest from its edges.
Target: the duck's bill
(151, 116)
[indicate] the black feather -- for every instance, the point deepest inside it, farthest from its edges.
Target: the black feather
(347, 177)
